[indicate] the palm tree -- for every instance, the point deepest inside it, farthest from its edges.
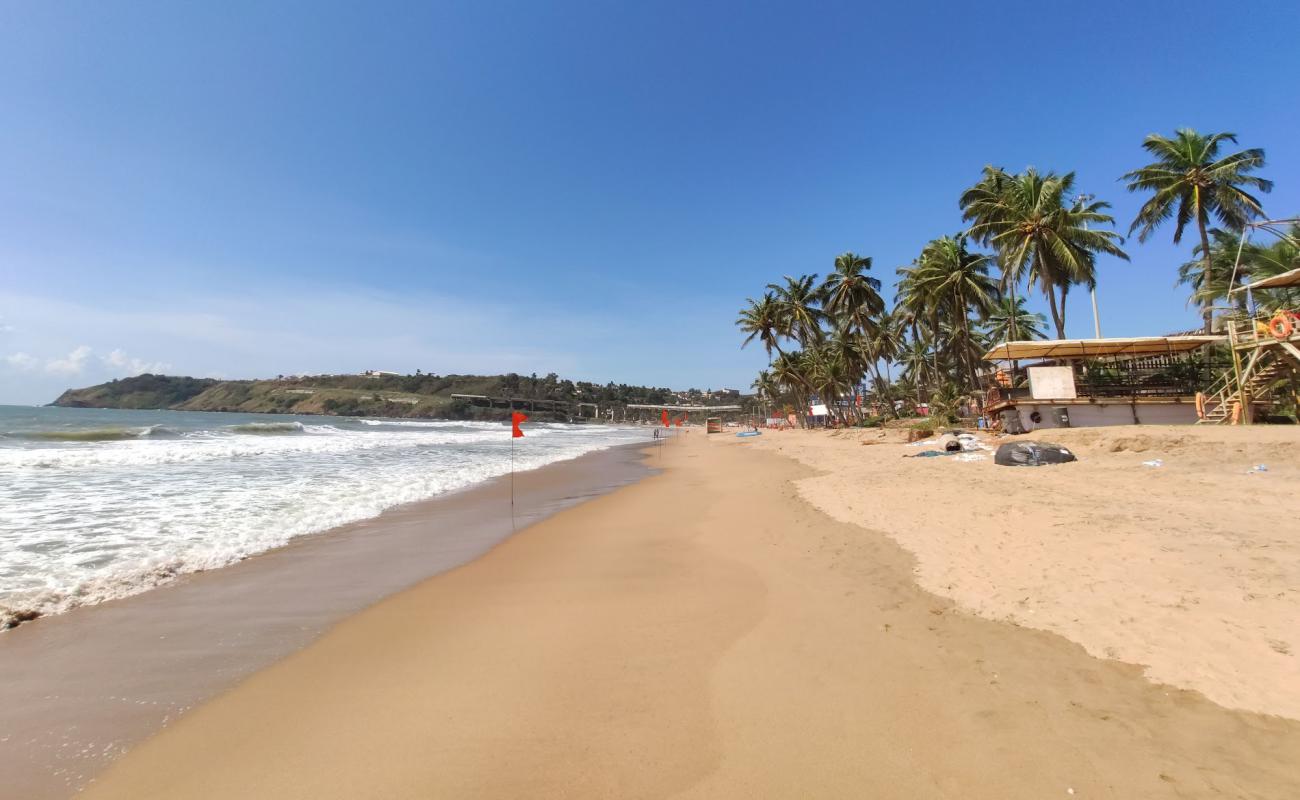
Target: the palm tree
(1009, 319)
(791, 373)
(886, 343)
(1281, 256)
(854, 351)
(849, 294)
(917, 363)
(798, 309)
(917, 302)
(1040, 236)
(1190, 181)
(767, 388)
(1210, 285)
(829, 370)
(761, 320)
(952, 283)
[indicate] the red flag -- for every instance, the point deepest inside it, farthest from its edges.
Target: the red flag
(515, 419)
(664, 417)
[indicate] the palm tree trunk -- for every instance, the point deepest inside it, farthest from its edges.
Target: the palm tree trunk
(1064, 290)
(935, 331)
(1014, 335)
(1056, 315)
(1207, 315)
(971, 371)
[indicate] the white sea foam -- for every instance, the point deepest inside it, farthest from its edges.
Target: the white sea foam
(82, 521)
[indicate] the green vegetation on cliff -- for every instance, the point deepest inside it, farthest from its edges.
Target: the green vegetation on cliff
(142, 391)
(418, 395)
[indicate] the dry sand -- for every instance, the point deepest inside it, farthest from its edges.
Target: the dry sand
(1191, 568)
(704, 633)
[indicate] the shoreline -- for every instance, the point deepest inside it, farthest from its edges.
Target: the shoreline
(84, 686)
(702, 633)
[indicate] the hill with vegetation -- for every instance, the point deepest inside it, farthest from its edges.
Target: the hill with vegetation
(420, 395)
(141, 392)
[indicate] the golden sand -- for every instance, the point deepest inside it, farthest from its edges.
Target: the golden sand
(1191, 568)
(705, 633)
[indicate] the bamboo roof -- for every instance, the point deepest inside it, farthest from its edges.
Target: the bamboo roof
(1291, 278)
(1097, 348)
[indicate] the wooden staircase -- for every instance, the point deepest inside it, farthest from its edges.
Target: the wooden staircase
(1257, 378)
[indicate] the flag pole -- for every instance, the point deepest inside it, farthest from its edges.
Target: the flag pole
(512, 476)
(515, 433)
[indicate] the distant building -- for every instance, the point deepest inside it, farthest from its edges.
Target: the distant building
(379, 373)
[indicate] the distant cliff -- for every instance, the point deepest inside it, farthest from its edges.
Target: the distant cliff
(419, 395)
(142, 391)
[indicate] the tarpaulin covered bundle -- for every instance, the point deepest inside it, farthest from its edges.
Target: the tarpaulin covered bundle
(1031, 454)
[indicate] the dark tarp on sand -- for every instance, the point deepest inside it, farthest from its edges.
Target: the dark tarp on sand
(1031, 454)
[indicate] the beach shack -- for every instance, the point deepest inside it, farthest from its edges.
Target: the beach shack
(1062, 383)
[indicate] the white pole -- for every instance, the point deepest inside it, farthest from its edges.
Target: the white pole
(1084, 199)
(1096, 320)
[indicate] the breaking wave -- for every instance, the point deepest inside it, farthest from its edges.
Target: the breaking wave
(112, 510)
(95, 434)
(268, 428)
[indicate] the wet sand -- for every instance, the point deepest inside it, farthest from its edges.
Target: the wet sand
(702, 633)
(80, 689)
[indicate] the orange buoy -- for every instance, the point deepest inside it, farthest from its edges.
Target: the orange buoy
(1200, 405)
(1280, 326)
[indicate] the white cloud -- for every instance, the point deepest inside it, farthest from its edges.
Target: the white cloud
(22, 361)
(119, 363)
(72, 364)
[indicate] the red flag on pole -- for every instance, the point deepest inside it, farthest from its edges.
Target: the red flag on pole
(664, 417)
(515, 419)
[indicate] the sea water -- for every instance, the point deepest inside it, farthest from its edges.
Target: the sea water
(102, 503)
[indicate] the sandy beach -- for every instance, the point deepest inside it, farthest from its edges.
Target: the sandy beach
(744, 625)
(1189, 568)
(84, 687)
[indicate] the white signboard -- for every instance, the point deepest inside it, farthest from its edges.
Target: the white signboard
(819, 410)
(1052, 383)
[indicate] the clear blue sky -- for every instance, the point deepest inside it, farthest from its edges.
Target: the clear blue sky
(245, 189)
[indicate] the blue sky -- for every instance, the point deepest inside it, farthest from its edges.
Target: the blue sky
(245, 189)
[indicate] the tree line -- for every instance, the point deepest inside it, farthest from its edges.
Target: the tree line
(1029, 231)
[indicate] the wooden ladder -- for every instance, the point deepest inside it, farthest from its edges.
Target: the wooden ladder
(1221, 396)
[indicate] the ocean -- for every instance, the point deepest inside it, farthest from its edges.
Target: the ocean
(98, 504)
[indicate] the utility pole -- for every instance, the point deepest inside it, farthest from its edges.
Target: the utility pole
(1083, 200)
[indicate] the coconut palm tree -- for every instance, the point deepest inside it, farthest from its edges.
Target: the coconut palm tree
(1009, 319)
(1040, 232)
(761, 319)
(1210, 285)
(792, 374)
(917, 362)
(961, 281)
(830, 372)
(1191, 182)
(849, 294)
(1283, 255)
(767, 388)
(854, 351)
(885, 344)
(799, 313)
(916, 300)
